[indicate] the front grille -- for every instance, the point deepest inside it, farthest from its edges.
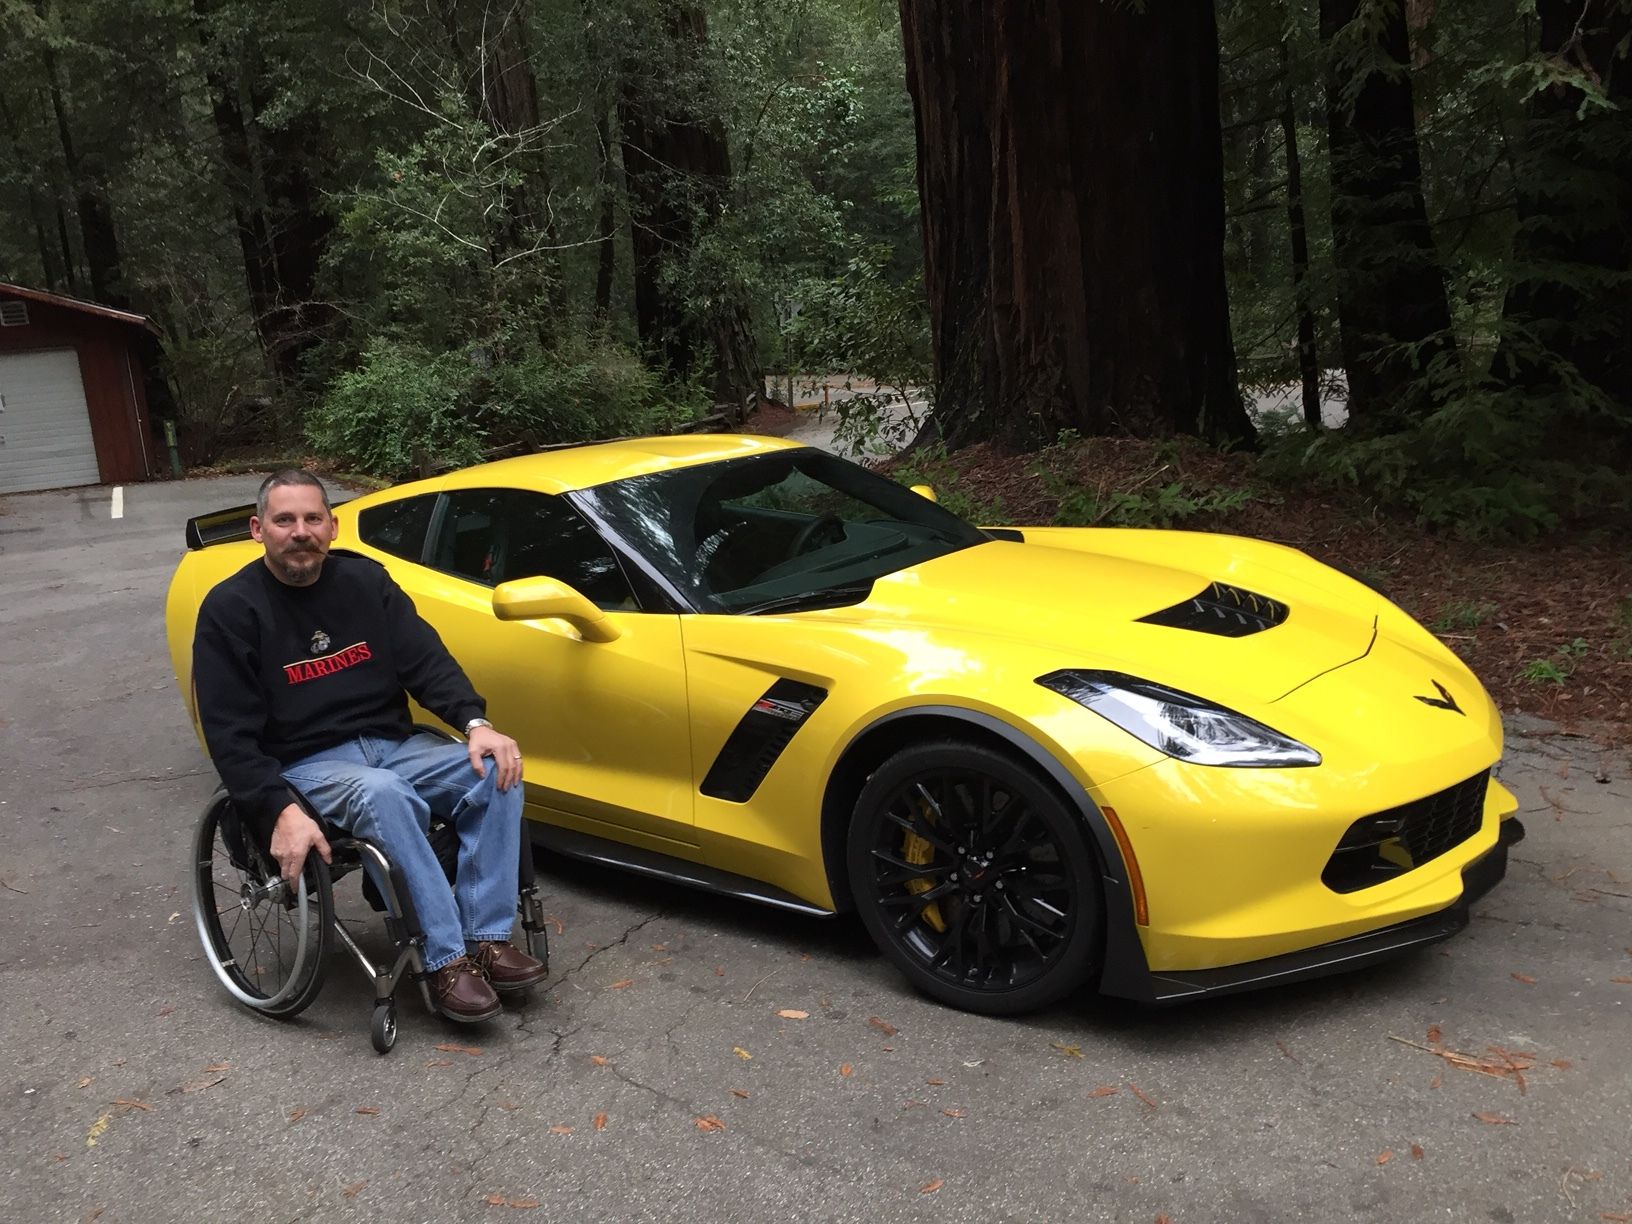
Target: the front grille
(1388, 844)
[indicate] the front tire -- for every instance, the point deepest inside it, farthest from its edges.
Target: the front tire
(975, 878)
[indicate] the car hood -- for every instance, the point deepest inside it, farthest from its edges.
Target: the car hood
(1081, 594)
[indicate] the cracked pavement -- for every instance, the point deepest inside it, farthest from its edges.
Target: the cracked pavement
(663, 1010)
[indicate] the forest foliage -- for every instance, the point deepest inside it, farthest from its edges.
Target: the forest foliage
(417, 232)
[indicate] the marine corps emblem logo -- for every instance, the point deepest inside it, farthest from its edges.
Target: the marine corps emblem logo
(320, 642)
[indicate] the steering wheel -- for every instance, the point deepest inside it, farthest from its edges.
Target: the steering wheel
(807, 534)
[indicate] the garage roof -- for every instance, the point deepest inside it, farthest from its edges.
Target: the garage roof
(68, 303)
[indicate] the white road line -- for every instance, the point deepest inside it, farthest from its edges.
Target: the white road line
(118, 501)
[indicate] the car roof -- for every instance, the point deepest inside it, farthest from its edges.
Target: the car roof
(581, 467)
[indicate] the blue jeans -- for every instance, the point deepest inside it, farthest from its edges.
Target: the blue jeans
(388, 792)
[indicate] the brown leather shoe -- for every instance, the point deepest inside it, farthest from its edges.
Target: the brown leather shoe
(460, 992)
(507, 967)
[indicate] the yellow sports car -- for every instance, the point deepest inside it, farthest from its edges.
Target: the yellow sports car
(1165, 764)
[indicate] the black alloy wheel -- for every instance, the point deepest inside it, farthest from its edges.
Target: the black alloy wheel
(975, 878)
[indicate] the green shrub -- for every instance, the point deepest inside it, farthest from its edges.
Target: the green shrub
(403, 413)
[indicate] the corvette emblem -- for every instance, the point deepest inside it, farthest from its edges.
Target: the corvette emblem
(1443, 702)
(321, 642)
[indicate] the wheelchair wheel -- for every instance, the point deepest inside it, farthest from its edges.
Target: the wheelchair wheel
(267, 944)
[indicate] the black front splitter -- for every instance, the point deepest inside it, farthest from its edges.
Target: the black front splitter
(1341, 955)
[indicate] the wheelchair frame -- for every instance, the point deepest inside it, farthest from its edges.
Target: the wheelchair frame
(262, 884)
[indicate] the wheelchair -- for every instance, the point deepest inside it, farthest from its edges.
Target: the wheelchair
(269, 944)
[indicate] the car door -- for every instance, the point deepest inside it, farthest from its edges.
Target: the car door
(602, 725)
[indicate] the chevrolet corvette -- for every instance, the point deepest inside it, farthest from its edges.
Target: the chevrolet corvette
(1033, 760)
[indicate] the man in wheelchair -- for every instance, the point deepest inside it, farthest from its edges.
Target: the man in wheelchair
(303, 664)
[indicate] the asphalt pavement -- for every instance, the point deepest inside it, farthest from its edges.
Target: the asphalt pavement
(1485, 1079)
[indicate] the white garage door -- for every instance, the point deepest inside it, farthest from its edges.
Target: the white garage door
(45, 429)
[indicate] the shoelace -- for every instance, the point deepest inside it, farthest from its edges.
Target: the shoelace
(447, 983)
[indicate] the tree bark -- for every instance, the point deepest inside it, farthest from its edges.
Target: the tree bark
(1393, 314)
(1573, 248)
(1070, 171)
(1297, 225)
(678, 170)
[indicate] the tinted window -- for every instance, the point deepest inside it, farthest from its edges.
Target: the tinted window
(398, 527)
(495, 535)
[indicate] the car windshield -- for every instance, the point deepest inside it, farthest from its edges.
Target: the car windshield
(775, 532)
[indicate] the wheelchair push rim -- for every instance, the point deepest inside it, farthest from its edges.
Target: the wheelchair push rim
(265, 944)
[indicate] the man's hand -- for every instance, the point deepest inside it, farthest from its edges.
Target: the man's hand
(294, 835)
(484, 741)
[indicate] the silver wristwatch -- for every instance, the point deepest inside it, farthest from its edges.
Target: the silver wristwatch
(474, 723)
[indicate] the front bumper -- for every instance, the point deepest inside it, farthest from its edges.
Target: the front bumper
(1127, 980)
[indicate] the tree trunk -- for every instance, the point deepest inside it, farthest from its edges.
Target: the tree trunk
(606, 255)
(1297, 225)
(1393, 314)
(37, 209)
(1569, 301)
(1070, 170)
(678, 170)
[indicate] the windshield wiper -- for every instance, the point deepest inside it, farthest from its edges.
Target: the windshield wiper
(822, 597)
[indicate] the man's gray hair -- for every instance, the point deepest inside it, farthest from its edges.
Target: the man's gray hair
(285, 479)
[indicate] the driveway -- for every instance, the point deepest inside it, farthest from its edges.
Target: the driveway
(656, 1080)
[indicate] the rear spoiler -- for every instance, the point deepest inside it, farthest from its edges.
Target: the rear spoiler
(224, 526)
(219, 527)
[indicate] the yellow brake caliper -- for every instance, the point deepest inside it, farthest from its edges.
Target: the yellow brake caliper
(917, 850)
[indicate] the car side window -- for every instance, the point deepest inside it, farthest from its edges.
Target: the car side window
(398, 527)
(496, 535)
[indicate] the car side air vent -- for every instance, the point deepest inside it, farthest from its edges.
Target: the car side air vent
(1225, 610)
(753, 747)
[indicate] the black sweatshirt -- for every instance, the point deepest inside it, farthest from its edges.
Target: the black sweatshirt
(281, 672)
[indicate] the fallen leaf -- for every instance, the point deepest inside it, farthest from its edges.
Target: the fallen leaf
(1384, 1157)
(708, 1122)
(1617, 1217)
(86, 1082)
(135, 1104)
(1563, 1064)
(1416, 1151)
(1494, 1119)
(1434, 1034)
(370, 1110)
(883, 1026)
(623, 983)
(1525, 978)
(888, 1049)
(447, 1047)
(846, 1070)
(507, 1106)
(522, 1203)
(1164, 1218)
(165, 1011)
(660, 947)
(352, 1190)
(217, 1066)
(1105, 1090)
(600, 1121)
(742, 1053)
(558, 1129)
(1134, 1088)
(598, 1059)
(793, 1013)
(738, 1092)
(295, 1115)
(1070, 1051)
(1626, 981)
(495, 1200)
(719, 970)
(93, 1215)
(935, 1083)
(439, 1062)
(932, 1186)
(956, 1113)
(97, 1127)
(1281, 1046)
(560, 927)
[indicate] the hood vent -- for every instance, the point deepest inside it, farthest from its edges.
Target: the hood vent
(1221, 609)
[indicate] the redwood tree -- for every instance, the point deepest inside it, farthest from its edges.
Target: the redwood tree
(1393, 315)
(1070, 171)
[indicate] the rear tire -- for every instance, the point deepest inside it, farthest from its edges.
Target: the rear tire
(269, 947)
(975, 878)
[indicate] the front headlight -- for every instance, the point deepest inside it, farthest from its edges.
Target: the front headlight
(1179, 724)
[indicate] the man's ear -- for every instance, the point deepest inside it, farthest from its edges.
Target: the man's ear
(255, 528)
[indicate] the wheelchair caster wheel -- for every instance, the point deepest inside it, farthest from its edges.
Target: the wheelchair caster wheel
(382, 1029)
